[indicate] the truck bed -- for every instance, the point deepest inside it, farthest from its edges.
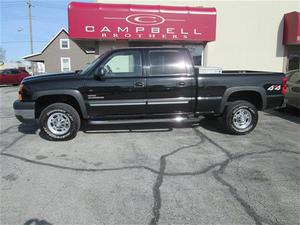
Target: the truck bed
(214, 89)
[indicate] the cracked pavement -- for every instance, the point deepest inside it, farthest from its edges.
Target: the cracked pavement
(151, 175)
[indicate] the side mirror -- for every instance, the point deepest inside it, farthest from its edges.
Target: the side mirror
(100, 73)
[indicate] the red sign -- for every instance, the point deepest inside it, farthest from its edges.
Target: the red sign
(141, 22)
(291, 32)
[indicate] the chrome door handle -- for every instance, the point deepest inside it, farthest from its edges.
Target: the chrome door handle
(139, 84)
(181, 83)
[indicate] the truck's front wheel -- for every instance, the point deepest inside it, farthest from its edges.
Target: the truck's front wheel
(240, 117)
(59, 122)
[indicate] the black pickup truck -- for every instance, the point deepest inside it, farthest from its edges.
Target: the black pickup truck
(141, 85)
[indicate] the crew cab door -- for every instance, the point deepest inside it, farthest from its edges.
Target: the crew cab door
(170, 82)
(122, 89)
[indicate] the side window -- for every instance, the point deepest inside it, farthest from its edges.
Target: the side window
(295, 77)
(124, 64)
(196, 52)
(14, 72)
(7, 72)
(167, 63)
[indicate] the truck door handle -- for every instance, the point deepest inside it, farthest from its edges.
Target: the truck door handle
(139, 84)
(180, 83)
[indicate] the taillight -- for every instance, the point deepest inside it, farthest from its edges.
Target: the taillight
(20, 96)
(284, 85)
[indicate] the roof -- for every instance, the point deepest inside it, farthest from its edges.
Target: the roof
(47, 45)
(150, 48)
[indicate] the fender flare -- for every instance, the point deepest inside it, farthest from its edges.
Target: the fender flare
(74, 93)
(261, 91)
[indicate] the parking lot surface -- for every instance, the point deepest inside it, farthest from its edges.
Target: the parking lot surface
(151, 175)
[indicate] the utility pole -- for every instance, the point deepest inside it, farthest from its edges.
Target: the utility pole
(29, 3)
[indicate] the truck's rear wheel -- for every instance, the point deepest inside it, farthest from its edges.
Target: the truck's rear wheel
(240, 117)
(59, 122)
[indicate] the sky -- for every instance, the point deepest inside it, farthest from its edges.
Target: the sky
(47, 19)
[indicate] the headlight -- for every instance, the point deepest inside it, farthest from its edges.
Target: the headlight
(20, 97)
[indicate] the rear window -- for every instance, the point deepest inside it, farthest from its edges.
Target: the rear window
(167, 62)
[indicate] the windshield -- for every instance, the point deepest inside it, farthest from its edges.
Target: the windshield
(89, 66)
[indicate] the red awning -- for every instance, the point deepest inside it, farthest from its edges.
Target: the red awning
(291, 32)
(141, 22)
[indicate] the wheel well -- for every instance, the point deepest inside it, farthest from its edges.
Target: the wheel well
(44, 101)
(251, 96)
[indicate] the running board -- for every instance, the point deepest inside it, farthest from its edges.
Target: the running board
(129, 121)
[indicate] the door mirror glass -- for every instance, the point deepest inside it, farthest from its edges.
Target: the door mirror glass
(100, 73)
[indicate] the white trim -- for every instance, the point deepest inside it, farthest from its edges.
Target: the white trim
(210, 98)
(90, 52)
(46, 46)
(35, 54)
(55, 36)
(203, 13)
(61, 41)
(118, 104)
(61, 63)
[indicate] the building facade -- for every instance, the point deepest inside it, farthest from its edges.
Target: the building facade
(246, 35)
(61, 54)
(233, 35)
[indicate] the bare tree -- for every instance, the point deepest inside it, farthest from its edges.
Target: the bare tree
(2, 54)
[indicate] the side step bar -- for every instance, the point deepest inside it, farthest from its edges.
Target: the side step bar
(129, 121)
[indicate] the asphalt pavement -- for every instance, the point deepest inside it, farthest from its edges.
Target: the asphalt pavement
(151, 174)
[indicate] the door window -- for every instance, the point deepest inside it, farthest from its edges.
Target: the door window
(124, 64)
(196, 52)
(6, 72)
(11, 72)
(170, 62)
(295, 77)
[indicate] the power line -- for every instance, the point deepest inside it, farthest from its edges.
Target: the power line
(34, 1)
(53, 7)
(8, 42)
(52, 4)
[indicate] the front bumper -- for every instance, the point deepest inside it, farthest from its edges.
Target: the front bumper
(24, 111)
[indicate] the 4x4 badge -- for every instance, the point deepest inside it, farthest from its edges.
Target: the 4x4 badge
(274, 87)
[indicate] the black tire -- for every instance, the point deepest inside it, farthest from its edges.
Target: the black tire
(211, 116)
(233, 111)
(70, 117)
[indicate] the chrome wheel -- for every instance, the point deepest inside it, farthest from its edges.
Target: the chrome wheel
(59, 123)
(242, 119)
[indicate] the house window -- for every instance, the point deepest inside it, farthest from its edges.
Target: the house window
(64, 43)
(65, 64)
